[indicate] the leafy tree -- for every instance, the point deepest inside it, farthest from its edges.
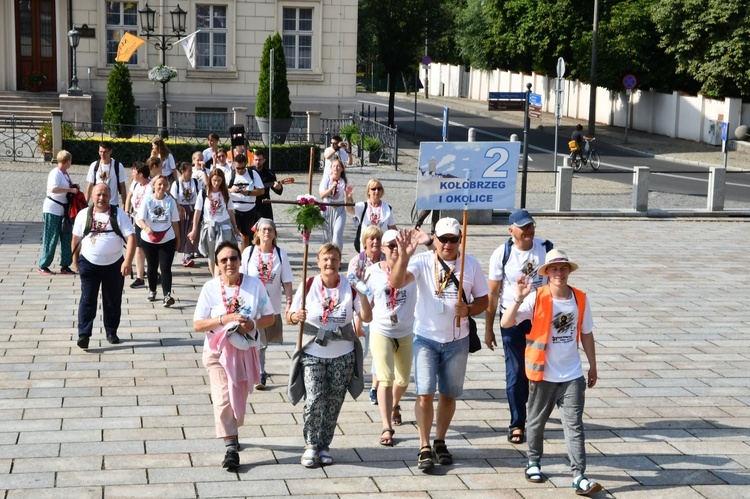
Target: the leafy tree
(710, 41)
(282, 105)
(119, 111)
(399, 27)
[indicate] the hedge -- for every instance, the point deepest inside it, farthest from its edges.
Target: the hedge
(286, 157)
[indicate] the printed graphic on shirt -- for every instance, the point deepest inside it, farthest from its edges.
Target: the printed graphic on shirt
(158, 214)
(564, 323)
(187, 194)
(450, 290)
(99, 225)
(530, 268)
(217, 207)
(240, 305)
(399, 300)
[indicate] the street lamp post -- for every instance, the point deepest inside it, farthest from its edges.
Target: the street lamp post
(163, 43)
(74, 38)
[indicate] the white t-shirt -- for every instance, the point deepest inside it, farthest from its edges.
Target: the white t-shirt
(103, 248)
(435, 314)
(168, 166)
(139, 194)
(55, 179)
(215, 208)
(252, 301)
(106, 174)
(207, 154)
(343, 313)
(227, 169)
(280, 271)
(248, 181)
(184, 191)
(159, 215)
(360, 263)
(335, 197)
(382, 215)
(389, 320)
(562, 360)
(526, 262)
(343, 156)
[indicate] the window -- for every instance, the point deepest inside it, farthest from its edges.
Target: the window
(298, 37)
(122, 17)
(211, 42)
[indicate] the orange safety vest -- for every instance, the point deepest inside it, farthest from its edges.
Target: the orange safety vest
(537, 338)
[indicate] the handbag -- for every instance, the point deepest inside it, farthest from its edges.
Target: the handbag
(573, 146)
(475, 344)
(66, 226)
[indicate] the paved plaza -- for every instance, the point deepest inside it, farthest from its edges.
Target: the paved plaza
(669, 417)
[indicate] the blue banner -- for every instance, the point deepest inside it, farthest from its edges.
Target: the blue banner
(478, 175)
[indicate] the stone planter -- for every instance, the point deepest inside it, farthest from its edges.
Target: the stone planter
(47, 156)
(281, 127)
(374, 156)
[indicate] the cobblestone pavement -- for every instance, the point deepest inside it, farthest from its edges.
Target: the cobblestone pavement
(670, 416)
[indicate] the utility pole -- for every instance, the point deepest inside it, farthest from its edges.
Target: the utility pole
(592, 99)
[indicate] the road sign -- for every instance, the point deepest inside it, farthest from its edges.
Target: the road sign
(535, 111)
(426, 60)
(535, 100)
(560, 67)
(506, 105)
(724, 126)
(629, 82)
(478, 175)
(507, 95)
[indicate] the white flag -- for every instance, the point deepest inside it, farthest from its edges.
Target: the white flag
(188, 45)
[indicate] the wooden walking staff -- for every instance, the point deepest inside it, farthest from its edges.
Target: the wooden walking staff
(463, 248)
(306, 236)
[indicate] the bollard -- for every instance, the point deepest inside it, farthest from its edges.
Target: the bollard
(640, 188)
(514, 137)
(564, 190)
(472, 135)
(717, 185)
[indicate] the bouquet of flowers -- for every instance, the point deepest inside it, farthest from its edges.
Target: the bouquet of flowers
(308, 215)
(162, 73)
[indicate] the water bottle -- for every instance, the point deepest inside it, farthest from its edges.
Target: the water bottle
(359, 285)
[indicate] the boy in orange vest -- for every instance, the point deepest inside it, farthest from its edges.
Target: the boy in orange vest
(561, 319)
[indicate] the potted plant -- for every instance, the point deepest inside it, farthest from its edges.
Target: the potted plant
(33, 80)
(45, 138)
(372, 146)
(282, 105)
(162, 74)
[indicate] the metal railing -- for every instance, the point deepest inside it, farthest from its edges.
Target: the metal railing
(19, 139)
(387, 136)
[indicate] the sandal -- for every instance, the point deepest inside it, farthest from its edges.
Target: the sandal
(425, 461)
(309, 458)
(324, 457)
(534, 473)
(441, 452)
(516, 436)
(583, 486)
(386, 437)
(396, 415)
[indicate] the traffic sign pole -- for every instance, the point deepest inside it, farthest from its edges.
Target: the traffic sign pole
(526, 125)
(558, 108)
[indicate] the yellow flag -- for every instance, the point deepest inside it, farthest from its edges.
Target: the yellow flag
(127, 47)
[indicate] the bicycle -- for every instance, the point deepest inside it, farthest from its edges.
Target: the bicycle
(591, 157)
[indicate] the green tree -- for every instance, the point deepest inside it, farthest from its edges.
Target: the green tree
(282, 105)
(710, 41)
(399, 28)
(119, 111)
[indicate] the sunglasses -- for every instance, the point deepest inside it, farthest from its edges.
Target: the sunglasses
(229, 259)
(238, 168)
(392, 246)
(446, 239)
(376, 188)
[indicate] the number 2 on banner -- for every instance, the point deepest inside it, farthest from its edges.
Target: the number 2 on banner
(493, 171)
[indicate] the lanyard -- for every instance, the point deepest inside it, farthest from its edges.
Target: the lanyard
(393, 291)
(214, 204)
(264, 270)
(441, 285)
(329, 303)
(231, 305)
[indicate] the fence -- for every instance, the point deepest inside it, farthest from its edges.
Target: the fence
(385, 149)
(19, 140)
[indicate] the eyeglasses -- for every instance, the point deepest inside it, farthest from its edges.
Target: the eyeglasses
(446, 239)
(221, 156)
(375, 189)
(391, 246)
(232, 259)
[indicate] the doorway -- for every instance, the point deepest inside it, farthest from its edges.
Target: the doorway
(35, 43)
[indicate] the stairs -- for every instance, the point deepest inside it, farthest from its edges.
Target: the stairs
(27, 107)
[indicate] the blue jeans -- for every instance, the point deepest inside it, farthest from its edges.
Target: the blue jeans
(440, 366)
(516, 383)
(111, 280)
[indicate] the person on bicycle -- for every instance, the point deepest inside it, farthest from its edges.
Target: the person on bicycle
(579, 138)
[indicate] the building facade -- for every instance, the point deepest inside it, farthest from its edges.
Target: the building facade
(320, 45)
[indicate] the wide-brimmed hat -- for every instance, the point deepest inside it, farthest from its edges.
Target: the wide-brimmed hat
(556, 256)
(447, 226)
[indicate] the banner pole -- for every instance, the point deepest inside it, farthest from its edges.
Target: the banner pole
(305, 239)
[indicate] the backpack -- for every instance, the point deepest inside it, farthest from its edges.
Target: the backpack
(179, 187)
(509, 244)
(112, 223)
(115, 164)
(252, 248)
(358, 236)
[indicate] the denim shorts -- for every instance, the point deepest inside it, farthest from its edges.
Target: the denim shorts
(440, 365)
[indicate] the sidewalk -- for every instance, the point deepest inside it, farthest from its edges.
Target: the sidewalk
(670, 416)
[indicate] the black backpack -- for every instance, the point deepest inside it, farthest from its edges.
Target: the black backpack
(115, 164)
(252, 249)
(509, 244)
(112, 223)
